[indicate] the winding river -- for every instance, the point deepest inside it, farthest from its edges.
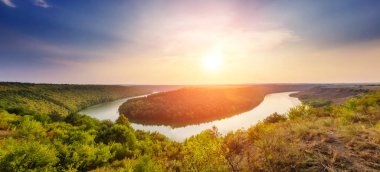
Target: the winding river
(275, 102)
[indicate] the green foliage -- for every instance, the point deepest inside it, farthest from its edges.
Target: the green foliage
(80, 137)
(299, 112)
(234, 149)
(145, 164)
(31, 130)
(122, 120)
(335, 138)
(7, 121)
(83, 121)
(120, 151)
(274, 118)
(27, 99)
(27, 155)
(365, 109)
(203, 152)
(119, 134)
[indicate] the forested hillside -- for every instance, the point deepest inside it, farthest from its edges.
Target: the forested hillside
(194, 105)
(24, 98)
(328, 138)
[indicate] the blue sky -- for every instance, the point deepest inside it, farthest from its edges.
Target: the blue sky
(164, 42)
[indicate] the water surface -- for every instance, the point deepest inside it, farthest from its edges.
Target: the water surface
(276, 102)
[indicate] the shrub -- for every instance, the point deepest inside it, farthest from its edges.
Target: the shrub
(119, 151)
(274, 118)
(20, 111)
(122, 120)
(81, 137)
(82, 120)
(145, 164)
(119, 134)
(8, 120)
(31, 129)
(204, 152)
(23, 156)
(299, 112)
(257, 131)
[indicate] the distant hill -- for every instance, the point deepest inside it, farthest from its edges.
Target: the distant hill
(61, 99)
(333, 94)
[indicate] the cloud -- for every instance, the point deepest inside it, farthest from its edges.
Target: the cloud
(41, 3)
(38, 3)
(9, 3)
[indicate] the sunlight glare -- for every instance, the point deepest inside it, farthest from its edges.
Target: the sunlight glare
(212, 62)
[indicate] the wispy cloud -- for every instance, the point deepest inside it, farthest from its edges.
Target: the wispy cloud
(38, 3)
(9, 3)
(41, 3)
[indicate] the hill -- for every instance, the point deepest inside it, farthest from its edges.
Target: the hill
(61, 99)
(194, 105)
(333, 94)
(344, 137)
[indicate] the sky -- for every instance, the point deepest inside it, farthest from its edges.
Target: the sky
(190, 42)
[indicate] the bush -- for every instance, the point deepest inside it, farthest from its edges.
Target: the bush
(31, 129)
(299, 112)
(145, 164)
(8, 120)
(119, 151)
(83, 121)
(119, 134)
(81, 137)
(20, 111)
(274, 118)
(203, 152)
(122, 120)
(23, 156)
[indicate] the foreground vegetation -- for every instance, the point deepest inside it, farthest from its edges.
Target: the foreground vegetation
(198, 104)
(345, 137)
(61, 100)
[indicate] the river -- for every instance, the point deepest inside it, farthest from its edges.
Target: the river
(275, 102)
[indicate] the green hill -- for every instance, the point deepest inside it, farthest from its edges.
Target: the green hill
(59, 99)
(343, 137)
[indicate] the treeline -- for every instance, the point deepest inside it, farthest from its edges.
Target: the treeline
(56, 99)
(198, 104)
(327, 138)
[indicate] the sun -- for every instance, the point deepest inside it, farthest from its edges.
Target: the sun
(212, 62)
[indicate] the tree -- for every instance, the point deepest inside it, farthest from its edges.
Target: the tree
(119, 134)
(203, 152)
(30, 155)
(122, 120)
(31, 129)
(145, 164)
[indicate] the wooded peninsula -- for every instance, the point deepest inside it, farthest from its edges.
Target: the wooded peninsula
(198, 104)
